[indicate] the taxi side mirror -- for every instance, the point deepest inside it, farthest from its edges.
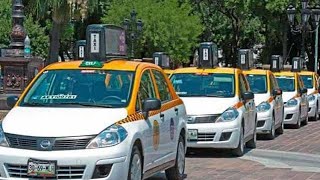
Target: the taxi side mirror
(277, 92)
(150, 104)
(303, 90)
(248, 96)
(11, 101)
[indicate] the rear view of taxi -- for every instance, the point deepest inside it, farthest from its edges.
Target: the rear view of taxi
(101, 118)
(220, 107)
(294, 95)
(310, 81)
(268, 98)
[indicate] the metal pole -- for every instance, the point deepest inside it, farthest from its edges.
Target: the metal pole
(316, 49)
(302, 55)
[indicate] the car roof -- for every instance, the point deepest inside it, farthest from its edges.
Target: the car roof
(284, 73)
(206, 70)
(257, 71)
(119, 64)
(306, 73)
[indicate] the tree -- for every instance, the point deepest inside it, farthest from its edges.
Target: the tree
(169, 26)
(5, 21)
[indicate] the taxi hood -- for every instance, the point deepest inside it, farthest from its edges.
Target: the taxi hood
(286, 96)
(259, 98)
(60, 122)
(207, 105)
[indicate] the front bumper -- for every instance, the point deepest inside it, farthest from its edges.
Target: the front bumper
(264, 122)
(215, 135)
(80, 163)
(291, 114)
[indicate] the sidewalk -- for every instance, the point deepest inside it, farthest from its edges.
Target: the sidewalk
(3, 114)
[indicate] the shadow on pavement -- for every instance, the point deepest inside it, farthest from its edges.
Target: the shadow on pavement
(211, 153)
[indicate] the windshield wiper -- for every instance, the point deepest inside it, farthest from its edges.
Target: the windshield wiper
(84, 104)
(34, 104)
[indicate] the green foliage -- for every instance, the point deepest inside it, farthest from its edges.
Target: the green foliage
(168, 26)
(38, 37)
(5, 21)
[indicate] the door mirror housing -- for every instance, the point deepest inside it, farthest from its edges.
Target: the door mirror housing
(150, 104)
(303, 90)
(277, 92)
(12, 100)
(248, 96)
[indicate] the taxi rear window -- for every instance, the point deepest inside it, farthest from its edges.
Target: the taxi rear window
(286, 83)
(207, 85)
(81, 88)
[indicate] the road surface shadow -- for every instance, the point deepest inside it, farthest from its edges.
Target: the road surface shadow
(211, 153)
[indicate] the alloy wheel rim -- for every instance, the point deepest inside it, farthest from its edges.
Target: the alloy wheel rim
(136, 168)
(181, 158)
(273, 131)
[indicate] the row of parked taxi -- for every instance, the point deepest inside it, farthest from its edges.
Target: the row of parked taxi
(228, 107)
(107, 117)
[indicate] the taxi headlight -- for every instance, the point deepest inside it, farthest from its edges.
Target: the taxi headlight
(311, 97)
(292, 102)
(228, 115)
(3, 140)
(111, 136)
(263, 107)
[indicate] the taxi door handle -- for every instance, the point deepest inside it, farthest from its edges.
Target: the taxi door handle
(162, 117)
(177, 111)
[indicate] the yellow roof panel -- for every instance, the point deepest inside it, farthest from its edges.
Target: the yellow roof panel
(125, 65)
(306, 73)
(284, 73)
(256, 71)
(200, 70)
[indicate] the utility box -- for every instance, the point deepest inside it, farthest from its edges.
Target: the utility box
(296, 64)
(104, 42)
(208, 55)
(79, 51)
(245, 59)
(276, 63)
(161, 59)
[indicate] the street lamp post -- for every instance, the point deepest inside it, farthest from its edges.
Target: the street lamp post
(316, 12)
(306, 12)
(133, 27)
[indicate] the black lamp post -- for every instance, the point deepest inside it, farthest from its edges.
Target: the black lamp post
(306, 12)
(133, 27)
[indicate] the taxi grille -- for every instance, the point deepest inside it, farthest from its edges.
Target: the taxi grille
(203, 119)
(206, 136)
(63, 172)
(33, 143)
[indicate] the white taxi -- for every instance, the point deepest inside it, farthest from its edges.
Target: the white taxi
(220, 107)
(95, 120)
(268, 98)
(294, 97)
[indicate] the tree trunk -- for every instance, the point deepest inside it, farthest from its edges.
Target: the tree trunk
(285, 40)
(54, 43)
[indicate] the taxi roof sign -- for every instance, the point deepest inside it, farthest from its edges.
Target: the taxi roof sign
(79, 50)
(245, 59)
(105, 41)
(161, 59)
(296, 64)
(91, 64)
(276, 63)
(208, 55)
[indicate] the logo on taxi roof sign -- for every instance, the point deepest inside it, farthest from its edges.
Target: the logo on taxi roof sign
(94, 64)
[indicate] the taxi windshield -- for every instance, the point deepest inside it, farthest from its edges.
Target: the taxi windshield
(286, 83)
(81, 88)
(258, 83)
(208, 85)
(307, 81)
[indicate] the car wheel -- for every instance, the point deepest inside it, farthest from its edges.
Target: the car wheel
(306, 121)
(135, 167)
(177, 171)
(253, 142)
(298, 125)
(272, 133)
(315, 117)
(239, 151)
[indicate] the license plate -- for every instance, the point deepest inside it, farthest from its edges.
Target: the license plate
(192, 134)
(42, 168)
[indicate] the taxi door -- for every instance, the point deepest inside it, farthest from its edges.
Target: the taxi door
(278, 102)
(249, 114)
(168, 117)
(304, 98)
(151, 135)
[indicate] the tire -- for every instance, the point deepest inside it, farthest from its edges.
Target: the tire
(316, 115)
(177, 171)
(306, 121)
(239, 151)
(135, 166)
(272, 133)
(253, 142)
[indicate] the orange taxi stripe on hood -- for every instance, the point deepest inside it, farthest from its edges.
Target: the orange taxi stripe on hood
(238, 105)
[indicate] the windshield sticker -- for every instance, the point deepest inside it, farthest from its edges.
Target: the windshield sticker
(284, 77)
(181, 93)
(60, 96)
(45, 72)
(222, 79)
(177, 81)
(88, 71)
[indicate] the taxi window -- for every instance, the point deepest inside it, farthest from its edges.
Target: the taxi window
(80, 88)
(146, 89)
(258, 83)
(203, 85)
(307, 81)
(163, 88)
(286, 83)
